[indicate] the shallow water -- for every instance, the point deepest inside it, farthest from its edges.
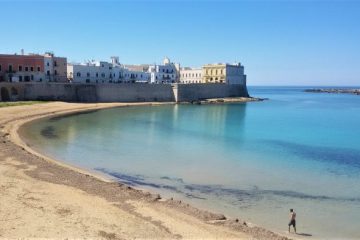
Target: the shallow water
(249, 160)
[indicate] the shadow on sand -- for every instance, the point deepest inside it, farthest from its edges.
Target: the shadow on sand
(304, 234)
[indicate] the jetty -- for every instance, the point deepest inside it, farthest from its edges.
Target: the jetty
(355, 91)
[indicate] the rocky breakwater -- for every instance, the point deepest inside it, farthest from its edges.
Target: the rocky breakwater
(334, 90)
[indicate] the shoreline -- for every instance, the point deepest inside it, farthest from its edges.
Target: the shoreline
(105, 188)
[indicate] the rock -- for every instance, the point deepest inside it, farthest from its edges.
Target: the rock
(156, 197)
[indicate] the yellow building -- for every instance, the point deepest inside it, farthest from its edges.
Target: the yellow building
(224, 73)
(214, 73)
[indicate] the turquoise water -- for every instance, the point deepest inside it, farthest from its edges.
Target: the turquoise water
(249, 160)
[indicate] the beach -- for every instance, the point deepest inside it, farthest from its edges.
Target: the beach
(43, 198)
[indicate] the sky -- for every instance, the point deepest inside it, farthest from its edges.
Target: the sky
(279, 42)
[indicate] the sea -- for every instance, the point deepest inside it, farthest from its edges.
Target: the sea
(253, 161)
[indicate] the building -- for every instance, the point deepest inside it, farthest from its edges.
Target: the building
(55, 68)
(93, 72)
(32, 68)
(168, 72)
(191, 75)
(105, 72)
(133, 76)
(224, 73)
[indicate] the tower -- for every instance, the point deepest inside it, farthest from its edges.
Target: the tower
(115, 60)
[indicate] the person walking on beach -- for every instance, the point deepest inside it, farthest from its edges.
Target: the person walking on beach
(292, 220)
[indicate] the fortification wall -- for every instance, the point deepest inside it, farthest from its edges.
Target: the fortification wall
(194, 92)
(117, 92)
(129, 92)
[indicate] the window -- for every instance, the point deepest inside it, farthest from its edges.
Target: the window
(20, 78)
(32, 69)
(102, 74)
(48, 72)
(38, 69)
(88, 74)
(55, 72)
(10, 68)
(0, 68)
(55, 63)
(26, 69)
(32, 77)
(20, 68)
(97, 74)
(78, 74)
(47, 64)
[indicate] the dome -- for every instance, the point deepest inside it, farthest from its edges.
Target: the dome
(166, 61)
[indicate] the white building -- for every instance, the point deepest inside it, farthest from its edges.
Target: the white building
(168, 72)
(191, 75)
(92, 72)
(135, 76)
(105, 72)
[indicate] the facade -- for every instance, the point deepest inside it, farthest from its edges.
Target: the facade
(191, 75)
(32, 68)
(168, 72)
(105, 72)
(55, 68)
(21, 68)
(224, 73)
(130, 76)
(92, 72)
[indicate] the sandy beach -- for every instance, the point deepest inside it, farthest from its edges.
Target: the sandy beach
(43, 198)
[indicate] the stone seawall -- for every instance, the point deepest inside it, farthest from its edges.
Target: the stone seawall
(128, 92)
(194, 92)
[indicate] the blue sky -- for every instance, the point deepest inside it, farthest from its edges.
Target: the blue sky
(279, 42)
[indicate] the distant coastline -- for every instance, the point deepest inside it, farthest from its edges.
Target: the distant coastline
(355, 91)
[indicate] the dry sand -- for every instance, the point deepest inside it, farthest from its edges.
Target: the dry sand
(42, 198)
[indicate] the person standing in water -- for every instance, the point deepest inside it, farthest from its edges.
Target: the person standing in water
(292, 220)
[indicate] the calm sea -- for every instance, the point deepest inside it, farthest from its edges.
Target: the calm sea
(253, 161)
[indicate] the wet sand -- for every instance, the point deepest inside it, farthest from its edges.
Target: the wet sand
(43, 198)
